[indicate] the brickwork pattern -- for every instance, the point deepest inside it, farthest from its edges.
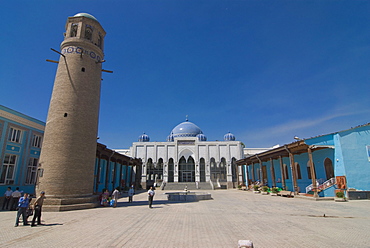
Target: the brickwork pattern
(232, 215)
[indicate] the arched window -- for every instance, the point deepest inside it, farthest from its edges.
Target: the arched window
(298, 170)
(202, 171)
(88, 33)
(309, 170)
(286, 173)
(213, 163)
(329, 169)
(223, 169)
(234, 170)
(74, 29)
(160, 164)
(100, 41)
(170, 170)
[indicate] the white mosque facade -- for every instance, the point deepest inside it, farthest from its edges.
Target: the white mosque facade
(187, 157)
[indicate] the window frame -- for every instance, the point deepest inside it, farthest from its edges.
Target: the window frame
(15, 135)
(6, 167)
(32, 171)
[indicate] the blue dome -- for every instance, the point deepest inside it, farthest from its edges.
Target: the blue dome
(85, 15)
(201, 137)
(229, 137)
(144, 138)
(186, 129)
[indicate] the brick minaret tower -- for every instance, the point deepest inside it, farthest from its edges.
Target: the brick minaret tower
(69, 148)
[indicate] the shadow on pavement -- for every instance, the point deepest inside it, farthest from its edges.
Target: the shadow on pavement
(145, 203)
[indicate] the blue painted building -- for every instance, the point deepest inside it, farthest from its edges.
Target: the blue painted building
(20, 145)
(113, 170)
(319, 165)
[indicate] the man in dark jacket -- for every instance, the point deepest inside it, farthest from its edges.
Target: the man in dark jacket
(37, 206)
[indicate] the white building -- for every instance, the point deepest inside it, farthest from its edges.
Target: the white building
(188, 157)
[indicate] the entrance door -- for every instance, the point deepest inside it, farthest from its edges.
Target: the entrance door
(186, 177)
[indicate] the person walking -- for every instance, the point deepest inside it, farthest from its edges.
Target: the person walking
(8, 196)
(115, 197)
(151, 194)
(23, 205)
(15, 198)
(37, 206)
(131, 193)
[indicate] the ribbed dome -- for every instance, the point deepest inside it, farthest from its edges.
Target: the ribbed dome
(201, 137)
(186, 129)
(229, 137)
(144, 138)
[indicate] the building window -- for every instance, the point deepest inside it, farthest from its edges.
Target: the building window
(7, 169)
(329, 169)
(309, 170)
(88, 33)
(286, 173)
(36, 141)
(298, 169)
(15, 135)
(100, 41)
(32, 171)
(74, 28)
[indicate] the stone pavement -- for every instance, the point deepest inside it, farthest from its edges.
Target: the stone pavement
(232, 215)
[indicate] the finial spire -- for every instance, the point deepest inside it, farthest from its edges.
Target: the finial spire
(187, 118)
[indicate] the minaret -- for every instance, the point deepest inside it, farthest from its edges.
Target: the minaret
(69, 148)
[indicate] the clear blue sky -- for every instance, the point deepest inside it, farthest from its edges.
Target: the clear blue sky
(263, 70)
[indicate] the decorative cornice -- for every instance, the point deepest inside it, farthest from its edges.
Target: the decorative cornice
(21, 120)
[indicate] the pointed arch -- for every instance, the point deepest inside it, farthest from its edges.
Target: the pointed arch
(202, 165)
(186, 169)
(218, 170)
(234, 170)
(171, 170)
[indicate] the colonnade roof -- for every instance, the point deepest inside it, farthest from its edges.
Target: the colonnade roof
(102, 151)
(281, 151)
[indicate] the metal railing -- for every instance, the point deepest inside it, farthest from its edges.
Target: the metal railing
(324, 185)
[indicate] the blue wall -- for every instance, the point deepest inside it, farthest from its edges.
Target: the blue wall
(355, 158)
(23, 149)
(349, 157)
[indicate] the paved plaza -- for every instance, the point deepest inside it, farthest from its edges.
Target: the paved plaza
(232, 215)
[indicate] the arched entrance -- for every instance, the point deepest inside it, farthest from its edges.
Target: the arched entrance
(202, 170)
(170, 170)
(329, 169)
(186, 169)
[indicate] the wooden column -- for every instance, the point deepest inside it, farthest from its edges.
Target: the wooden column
(272, 173)
(253, 178)
(313, 173)
(293, 168)
(282, 172)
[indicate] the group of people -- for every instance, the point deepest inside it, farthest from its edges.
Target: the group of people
(107, 200)
(24, 207)
(11, 198)
(23, 203)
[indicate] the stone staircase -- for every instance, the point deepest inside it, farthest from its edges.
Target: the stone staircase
(189, 185)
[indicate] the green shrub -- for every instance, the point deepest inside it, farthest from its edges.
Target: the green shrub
(265, 188)
(340, 194)
(275, 190)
